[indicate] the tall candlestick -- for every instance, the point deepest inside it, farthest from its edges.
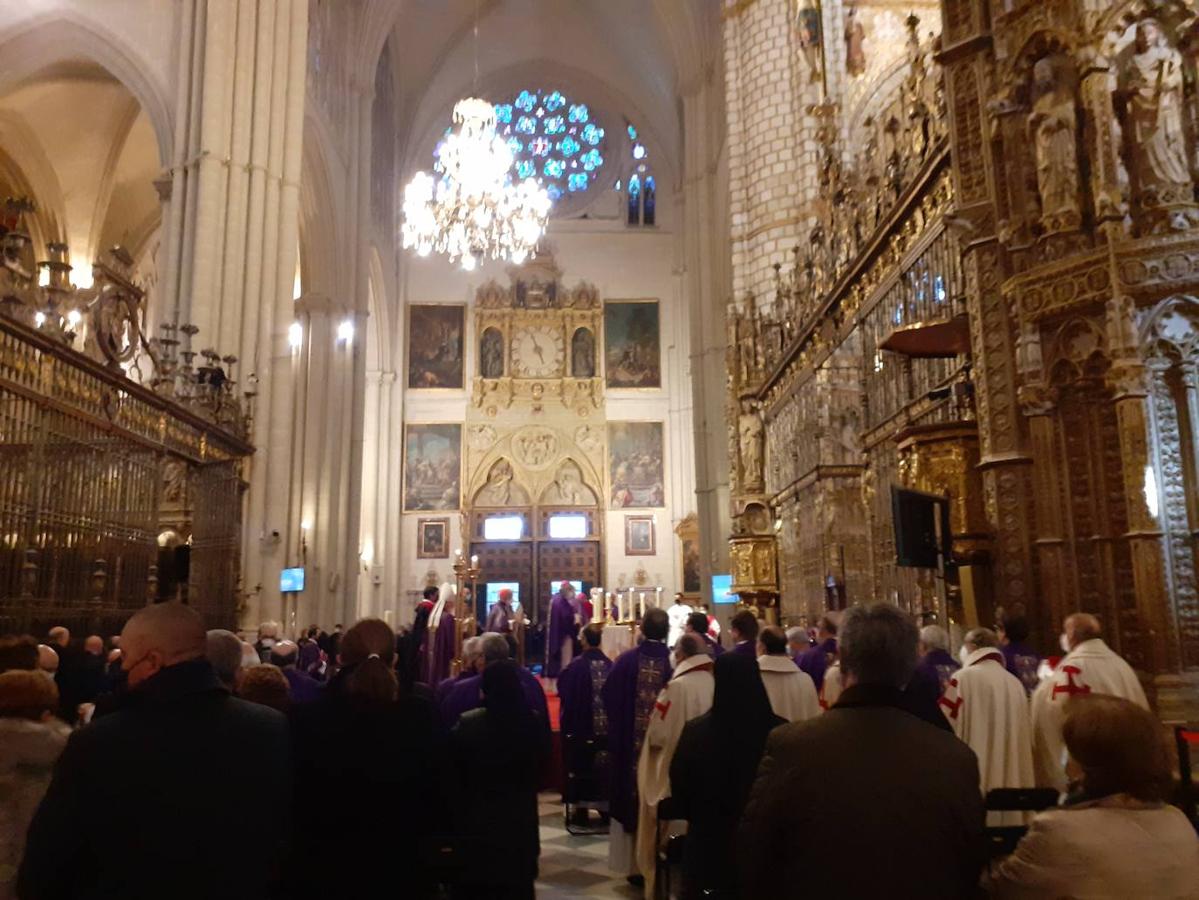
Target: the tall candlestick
(474, 560)
(643, 604)
(658, 597)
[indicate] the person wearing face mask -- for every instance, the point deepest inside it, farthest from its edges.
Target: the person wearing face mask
(987, 707)
(1089, 666)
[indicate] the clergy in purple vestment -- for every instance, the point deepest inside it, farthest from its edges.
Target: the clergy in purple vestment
(441, 637)
(467, 694)
(815, 660)
(1021, 660)
(563, 631)
(629, 695)
(935, 668)
(744, 629)
(581, 713)
(499, 619)
(472, 654)
(697, 624)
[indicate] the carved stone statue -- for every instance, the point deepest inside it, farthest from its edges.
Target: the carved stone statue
(499, 489)
(1053, 124)
(1157, 144)
(567, 488)
(582, 354)
(749, 431)
(491, 354)
(855, 39)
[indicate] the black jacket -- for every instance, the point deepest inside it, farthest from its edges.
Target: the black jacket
(497, 778)
(156, 799)
(866, 800)
(369, 784)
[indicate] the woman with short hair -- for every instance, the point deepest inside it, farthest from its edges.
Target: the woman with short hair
(1115, 836)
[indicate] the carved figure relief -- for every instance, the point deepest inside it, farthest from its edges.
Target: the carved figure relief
(1152, 90)
(535, 447)
(589, 438)
(1053, 127)
(567, 488)
(481, 437)
(749, 431)
(855, 39)
(491, 354)
(582, 354)
(501, 489)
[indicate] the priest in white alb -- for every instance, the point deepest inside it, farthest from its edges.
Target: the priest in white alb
(791, 690)
(688, 694)
(988, 709)
(1089, 666)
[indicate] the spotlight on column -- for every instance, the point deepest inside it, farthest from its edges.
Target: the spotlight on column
(345, 332)
(295, 335)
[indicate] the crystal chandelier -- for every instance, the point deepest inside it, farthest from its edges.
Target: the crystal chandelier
(470, 208)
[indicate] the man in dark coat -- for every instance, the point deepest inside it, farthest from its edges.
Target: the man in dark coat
(467, 694)
(629, 695)
(697, 624)
(563, 630)
(853, 797)
(744, 629)
(301, 687)
(150, 800)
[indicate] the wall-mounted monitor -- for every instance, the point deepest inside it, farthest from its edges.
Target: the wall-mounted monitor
(722, 589)
(554, 585)
(291, 580)
(567, 526)
(503, 528)
(493, 592)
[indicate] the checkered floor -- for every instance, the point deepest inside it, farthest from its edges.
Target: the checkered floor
(574, 866)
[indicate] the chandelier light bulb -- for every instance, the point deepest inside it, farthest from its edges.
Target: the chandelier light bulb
(295, 335)
(74, 317)
(470, 209)
(345, 331)
(39, 319)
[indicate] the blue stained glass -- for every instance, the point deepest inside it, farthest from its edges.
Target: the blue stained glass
(540, 146)
(525, 168)
(554, 191)
(577, 182)
(632, 133)
(634, 185)
(939, 289)
(649, 182)
(593, 134)
(526, 101)
(579, 113)
(503, 113)
(554, 125)
(639, 151)
(591, 160)
(526, 125)
(554, 168)
(515, 145)
(569, 146)
(554, 101)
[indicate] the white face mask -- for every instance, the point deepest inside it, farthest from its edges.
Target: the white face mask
(1065, 643)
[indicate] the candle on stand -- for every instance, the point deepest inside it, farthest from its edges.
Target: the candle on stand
(658, 597)
(474, 561)
(458, 554)
(643, 604)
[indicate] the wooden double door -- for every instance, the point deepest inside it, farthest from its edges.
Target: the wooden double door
(536, 562)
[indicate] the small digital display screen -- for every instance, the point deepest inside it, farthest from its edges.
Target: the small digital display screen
(493, 592)
(722, 589)
(555, 585)
(504, 528)
(568, 527)
(291, 580)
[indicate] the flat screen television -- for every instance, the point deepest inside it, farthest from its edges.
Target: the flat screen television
(493, 592)
(291, 580)
(914, 516)
(722, 589)
(578, 585)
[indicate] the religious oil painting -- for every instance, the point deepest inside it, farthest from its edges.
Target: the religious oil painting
(691, 583)
(431, 538)
(635, 464)
(432, 467)
(639, 536)
(435, 346)
(632, 344)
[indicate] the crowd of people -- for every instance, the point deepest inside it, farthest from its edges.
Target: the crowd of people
(174, 761)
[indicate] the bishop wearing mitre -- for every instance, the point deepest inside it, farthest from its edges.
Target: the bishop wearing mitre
(1089, 665)
(988, 709)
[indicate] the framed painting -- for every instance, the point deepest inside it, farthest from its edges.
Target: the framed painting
(635, 465)
(431, 538)
(432, 467)
(632, 344)
(435, 346)
(639, 538)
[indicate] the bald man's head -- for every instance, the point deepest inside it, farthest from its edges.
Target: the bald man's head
(94, 644)
(160, 636)
(59, 636)
(1081, 627)
(47, 658)
(284, 654)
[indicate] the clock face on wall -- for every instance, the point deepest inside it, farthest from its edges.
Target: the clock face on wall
(537, 352)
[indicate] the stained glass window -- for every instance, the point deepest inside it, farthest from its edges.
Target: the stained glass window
(641, 189)
(554, 140)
